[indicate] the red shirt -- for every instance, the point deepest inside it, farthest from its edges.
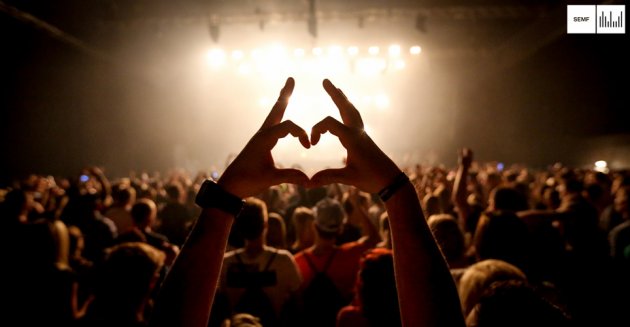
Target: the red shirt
(342, 270)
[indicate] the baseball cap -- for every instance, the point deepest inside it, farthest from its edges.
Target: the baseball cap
(329, 215)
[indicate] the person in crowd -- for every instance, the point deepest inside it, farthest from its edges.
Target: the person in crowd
(174, 216)
(502, 235)
(144, 214)
(426, 291)
(120, 212)
(618, 212)
(479, 277)
(356, 205)
(122, 296)
(339, 263)
(376, 296)
(39, 287)
(98, 231)
(303, 219)
(515, 303)
(258, 279)
(450, 238)
(276, 232)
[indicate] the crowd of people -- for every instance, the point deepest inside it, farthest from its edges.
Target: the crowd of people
(523, 246)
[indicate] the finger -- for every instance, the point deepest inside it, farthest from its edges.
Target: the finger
(277, 112)
(331, 125)
(288, 127)
(329, 176)
(349, 114)
(293, 176)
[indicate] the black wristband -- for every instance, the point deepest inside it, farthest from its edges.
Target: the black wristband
(389, 190)
(212, 195)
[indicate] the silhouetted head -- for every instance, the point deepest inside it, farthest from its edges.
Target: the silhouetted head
(252, 220)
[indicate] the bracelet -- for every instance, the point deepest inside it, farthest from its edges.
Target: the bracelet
(394, 186)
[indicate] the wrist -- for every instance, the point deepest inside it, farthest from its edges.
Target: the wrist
(395, 184)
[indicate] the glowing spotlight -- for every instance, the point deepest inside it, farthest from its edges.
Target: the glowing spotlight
(237, 55)
(394, 50)
(216, 57)
(373, 50)
(318, 51)
(601, 166)
(353, 51)
(381, 101)
(299, 52)
(415, 50)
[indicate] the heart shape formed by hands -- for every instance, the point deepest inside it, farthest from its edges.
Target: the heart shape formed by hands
(254, 170)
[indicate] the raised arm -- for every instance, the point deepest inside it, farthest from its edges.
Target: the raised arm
(459, 188)
(426, 291)
(187, 293)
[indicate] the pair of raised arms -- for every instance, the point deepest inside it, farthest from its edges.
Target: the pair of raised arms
(367, 167)
(426, 291)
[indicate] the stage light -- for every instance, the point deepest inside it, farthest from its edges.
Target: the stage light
(353, 51)
(299, 52)
(394, 50)
(373, 50)
(415, 50)
(318, 51)
(237, 55)
(216, 57)
(601, 166)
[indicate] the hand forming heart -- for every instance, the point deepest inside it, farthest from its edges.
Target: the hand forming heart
(367, 167)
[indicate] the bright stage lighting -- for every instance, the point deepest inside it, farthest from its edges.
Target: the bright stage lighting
(318, 51)
(216, 57)
(394, 50)
(353, 51)
(415, 50)
(373, 50)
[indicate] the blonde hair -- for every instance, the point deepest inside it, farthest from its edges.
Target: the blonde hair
(480, 276)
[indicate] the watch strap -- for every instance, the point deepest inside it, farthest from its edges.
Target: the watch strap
(212, 195)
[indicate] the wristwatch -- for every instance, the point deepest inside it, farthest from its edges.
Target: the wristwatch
(211, 195)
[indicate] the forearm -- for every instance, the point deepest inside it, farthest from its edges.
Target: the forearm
(187, 293)
(426, 290)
